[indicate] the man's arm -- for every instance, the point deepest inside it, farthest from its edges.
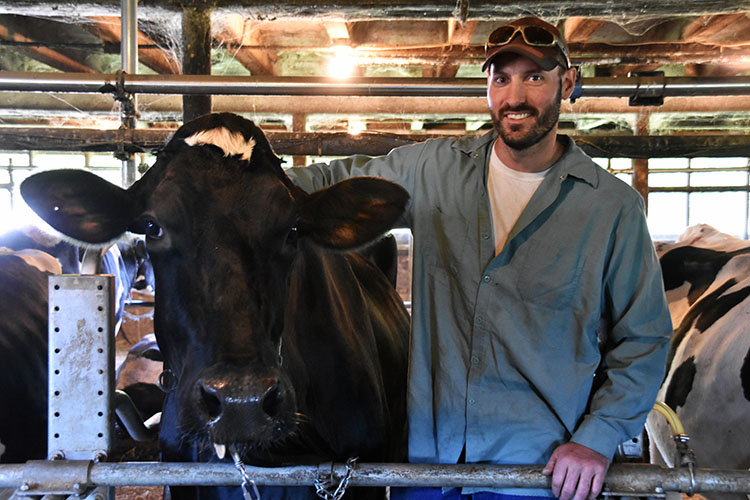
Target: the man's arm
(398, 166)
(634, 361)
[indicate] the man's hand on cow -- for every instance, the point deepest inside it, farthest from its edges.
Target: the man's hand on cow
(576, 470)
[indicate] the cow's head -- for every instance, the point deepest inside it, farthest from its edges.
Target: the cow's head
(224, 227)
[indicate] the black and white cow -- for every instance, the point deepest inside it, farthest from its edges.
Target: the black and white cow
(30, 237)
(707, 280)
(283, 348)
(23, 331)
(23, 355)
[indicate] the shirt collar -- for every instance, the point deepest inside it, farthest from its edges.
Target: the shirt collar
(573, 162)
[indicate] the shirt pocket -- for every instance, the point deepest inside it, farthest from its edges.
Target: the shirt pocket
(550, 275)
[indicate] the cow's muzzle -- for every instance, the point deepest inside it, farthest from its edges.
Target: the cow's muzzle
(242, 406)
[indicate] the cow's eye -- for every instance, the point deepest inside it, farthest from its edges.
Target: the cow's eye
(151, 229)
(292, 236)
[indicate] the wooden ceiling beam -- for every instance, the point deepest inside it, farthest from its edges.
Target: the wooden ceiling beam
(109, 29)
(43, 54)
(342, 143)
(386, 9)
(657, 53)
(580, 29)
(457, 35)
(236, 32)
(707, 29)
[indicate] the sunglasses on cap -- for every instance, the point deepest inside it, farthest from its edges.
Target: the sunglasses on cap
(535, 36)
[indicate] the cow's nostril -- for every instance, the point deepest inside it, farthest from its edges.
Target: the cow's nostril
(272, 401)
(211, 402)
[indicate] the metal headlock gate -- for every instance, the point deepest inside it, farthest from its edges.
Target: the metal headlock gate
(82, 401)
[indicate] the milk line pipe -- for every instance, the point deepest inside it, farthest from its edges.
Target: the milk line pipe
(310, 86)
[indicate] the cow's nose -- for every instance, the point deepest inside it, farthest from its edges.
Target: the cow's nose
(260, 397)
(210, 398)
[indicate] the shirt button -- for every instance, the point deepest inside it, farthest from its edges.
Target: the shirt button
(479, 320)
(486, 236)
(471, 401)
(486, 278)
(476, 155)
(474, 360)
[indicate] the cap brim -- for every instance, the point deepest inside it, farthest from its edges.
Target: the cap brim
(544, 61)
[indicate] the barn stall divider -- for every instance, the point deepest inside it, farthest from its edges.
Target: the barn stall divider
(82, 403)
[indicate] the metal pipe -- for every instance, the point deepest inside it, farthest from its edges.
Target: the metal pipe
(624, 478)
(402, 87)
(672, 86)
(129, 64)
(131, 418)
(129, 36)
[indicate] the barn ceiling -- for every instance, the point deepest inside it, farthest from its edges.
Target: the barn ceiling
(421, 40)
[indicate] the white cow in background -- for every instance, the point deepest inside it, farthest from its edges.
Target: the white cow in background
(707, 280)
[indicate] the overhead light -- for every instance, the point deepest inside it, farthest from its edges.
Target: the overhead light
(356, 126)
(342, 63)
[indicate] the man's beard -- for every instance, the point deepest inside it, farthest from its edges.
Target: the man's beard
(546, 121)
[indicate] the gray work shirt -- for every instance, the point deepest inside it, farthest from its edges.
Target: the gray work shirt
(506, 349)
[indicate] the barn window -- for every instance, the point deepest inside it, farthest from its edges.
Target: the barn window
(688, 191)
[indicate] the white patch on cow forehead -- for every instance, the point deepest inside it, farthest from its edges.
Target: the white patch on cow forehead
(230, 143)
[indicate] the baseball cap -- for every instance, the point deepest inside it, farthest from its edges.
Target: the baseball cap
(531, 37)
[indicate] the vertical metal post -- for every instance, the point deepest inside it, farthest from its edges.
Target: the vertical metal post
(129, 64)
(81, 366)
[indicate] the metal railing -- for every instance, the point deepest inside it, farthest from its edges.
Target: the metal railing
(638, 87)
(73, 476)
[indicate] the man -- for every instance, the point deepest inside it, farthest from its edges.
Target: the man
(539, 323)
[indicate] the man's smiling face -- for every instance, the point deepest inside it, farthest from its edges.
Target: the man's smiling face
(524, 100)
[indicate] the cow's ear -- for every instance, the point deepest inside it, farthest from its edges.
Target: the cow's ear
(353, 212)
(79, 204)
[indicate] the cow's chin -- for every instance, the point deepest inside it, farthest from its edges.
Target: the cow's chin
(260, 442)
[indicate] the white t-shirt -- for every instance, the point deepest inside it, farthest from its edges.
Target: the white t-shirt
(510, 192)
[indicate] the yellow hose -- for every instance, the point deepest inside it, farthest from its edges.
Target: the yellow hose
(671, 416)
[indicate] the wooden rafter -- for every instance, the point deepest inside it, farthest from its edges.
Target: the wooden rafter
(109, 29)
(716, 29)
(46, 55)
(237, 33)
(580, 29)
(458, 34)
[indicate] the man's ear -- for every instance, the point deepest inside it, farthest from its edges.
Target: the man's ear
(569, 78)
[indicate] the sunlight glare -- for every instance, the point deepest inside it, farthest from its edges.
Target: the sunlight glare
(342, 64)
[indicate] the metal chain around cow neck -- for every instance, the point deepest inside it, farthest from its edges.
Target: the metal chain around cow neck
(325, 489)
(248, 487)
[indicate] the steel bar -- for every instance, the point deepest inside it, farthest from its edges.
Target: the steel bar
(626, 478)
(129, 64)
(299, 86)
(672, 86)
